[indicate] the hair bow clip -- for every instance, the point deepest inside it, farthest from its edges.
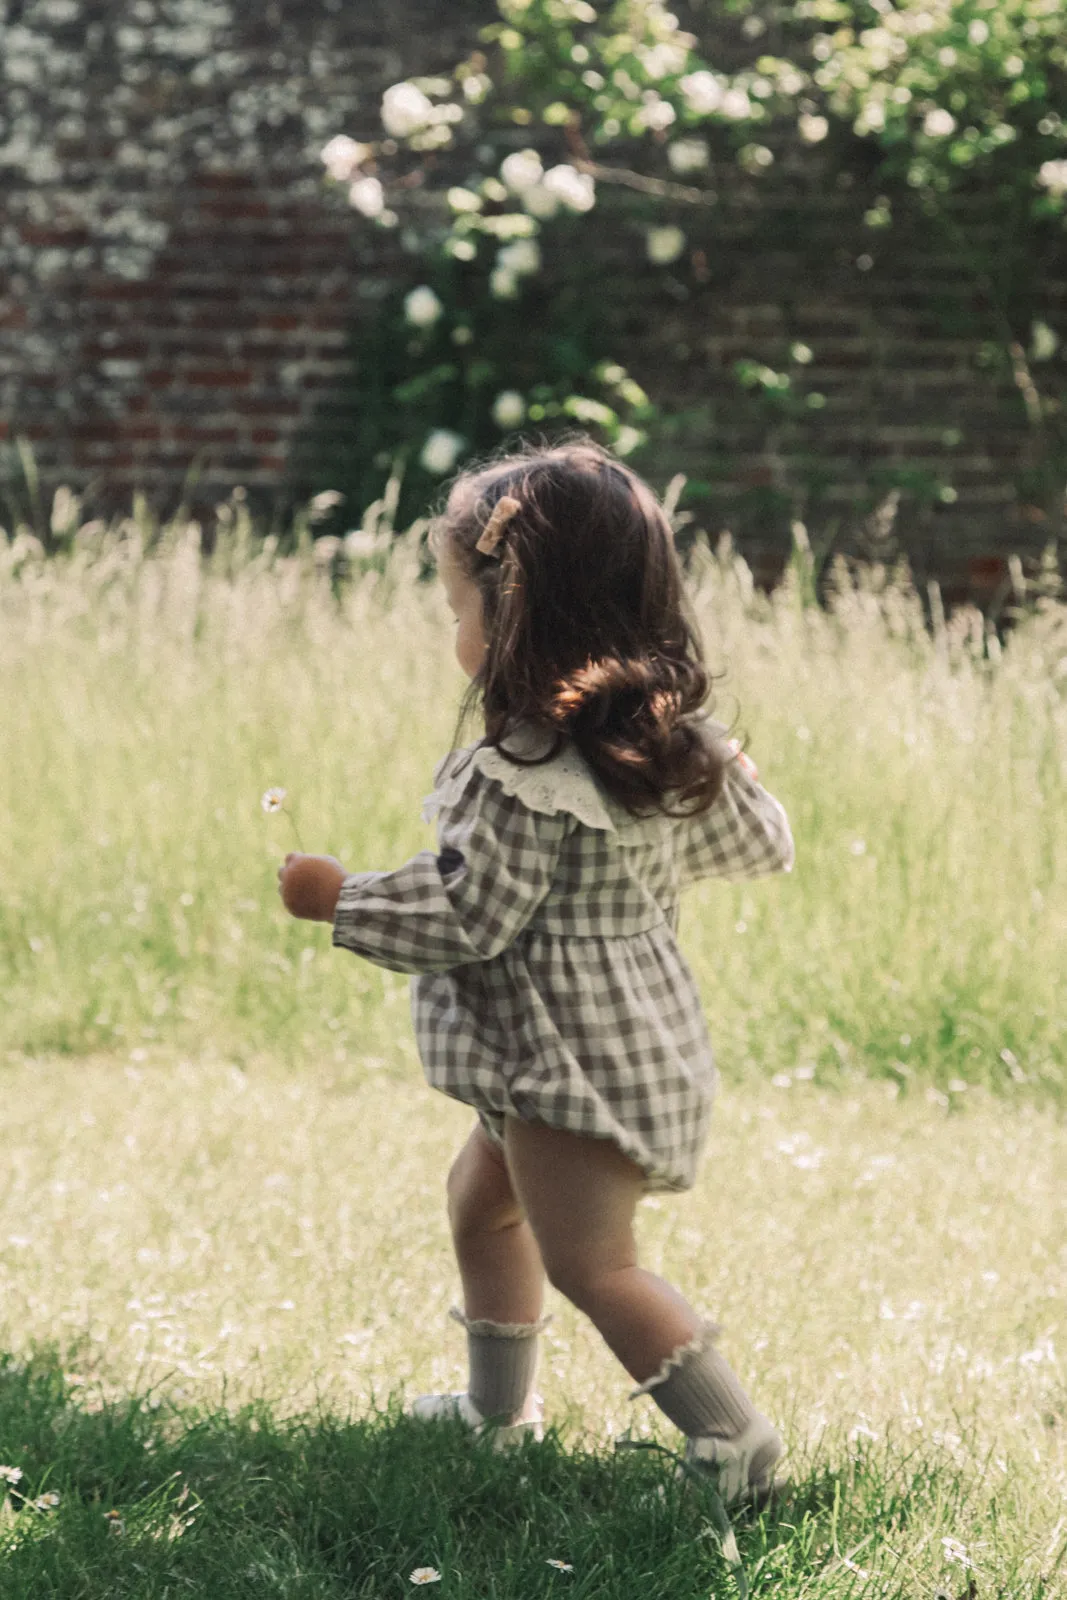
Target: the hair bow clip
(502, 513)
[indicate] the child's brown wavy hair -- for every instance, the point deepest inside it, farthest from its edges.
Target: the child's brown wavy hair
(587, 624)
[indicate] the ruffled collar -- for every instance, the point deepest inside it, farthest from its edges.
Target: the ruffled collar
(563, 784)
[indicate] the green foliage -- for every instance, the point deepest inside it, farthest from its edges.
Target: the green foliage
(566, 102)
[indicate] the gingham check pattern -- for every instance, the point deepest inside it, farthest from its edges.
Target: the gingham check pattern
(548, 980)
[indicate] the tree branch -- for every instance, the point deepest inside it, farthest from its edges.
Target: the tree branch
(662, 188)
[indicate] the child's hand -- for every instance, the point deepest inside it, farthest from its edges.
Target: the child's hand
(309, 885)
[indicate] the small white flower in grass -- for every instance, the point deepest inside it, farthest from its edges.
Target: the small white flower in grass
(938, 124)
(10, 1474)
(422, 308)
(367, 196)
(955, 1551)
(342, 157)
(687, 155)
(575, 189)
(664, 245)
(440, 451)
(560, 1566)
(813, 129)
(978, 32)
(522, 170)
(509, 409)
(425, 1575)
(405, 110)
(47, 1502)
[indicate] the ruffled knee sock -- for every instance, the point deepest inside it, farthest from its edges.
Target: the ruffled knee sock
(503, 1363)
(699, 1392)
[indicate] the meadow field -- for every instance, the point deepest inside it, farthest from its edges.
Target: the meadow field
(223, 1251)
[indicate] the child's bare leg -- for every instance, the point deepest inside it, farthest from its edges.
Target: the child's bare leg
(579, 1195)
(499, 1262)
(503, 1282)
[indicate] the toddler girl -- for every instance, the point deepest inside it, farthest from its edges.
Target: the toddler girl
(549, 993)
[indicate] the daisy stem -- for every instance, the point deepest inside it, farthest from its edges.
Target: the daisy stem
(296, 830)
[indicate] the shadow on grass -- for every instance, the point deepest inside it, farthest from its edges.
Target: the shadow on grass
(153, 1500)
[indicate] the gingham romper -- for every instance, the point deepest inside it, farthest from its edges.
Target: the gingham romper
(548, 980)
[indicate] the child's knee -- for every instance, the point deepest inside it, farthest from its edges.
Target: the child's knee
(480, 1196)
(581, 1278)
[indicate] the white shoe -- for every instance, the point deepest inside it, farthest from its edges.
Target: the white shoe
(743, 1468)
(460, 1407)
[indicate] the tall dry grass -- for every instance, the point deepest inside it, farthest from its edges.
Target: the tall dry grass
(151, 694)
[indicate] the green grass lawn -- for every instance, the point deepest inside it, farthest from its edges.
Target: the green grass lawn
(224, 1260)
(182, 1241)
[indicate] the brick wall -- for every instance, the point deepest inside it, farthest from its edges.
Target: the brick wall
(179, 290)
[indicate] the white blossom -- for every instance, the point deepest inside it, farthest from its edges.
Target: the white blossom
(703, 92)
(575, 189)
(503, 285)
(656, 114)
(368, 196)
(509, 408)
(938, 124)
(405, 110)
(687, 155)
(736, 104)
(521, 170)
(871, 119)
(461, 249)
(1043, 342)
(540, 202)
(978, 31)
(660, 60)
(440, 451)
(577, 405)
(521, 257)
(422, 307)
(664, 245)
(755, 157)
(627, 440)
(813, 129)
(1053, 176)
(343, 156)
(461, 199)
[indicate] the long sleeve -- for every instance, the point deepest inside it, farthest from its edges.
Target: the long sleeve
(495, 866)
(744, 834)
